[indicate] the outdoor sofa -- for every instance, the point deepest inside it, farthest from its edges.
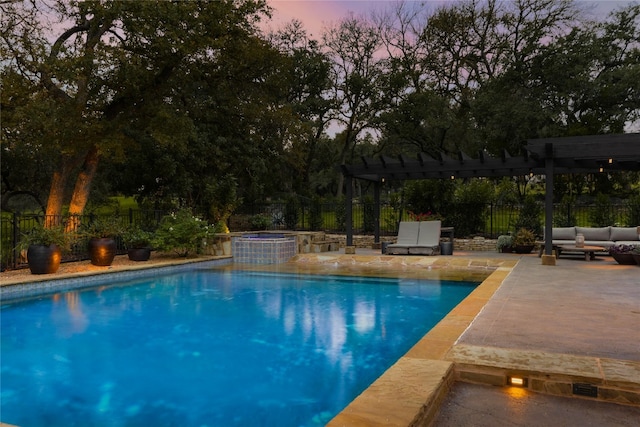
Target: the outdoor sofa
(596, 236)
(417, 238)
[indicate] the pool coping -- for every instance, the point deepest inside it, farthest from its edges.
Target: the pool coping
(46, 284)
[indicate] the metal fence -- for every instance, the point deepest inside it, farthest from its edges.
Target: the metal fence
(15, 225)
(488, 220)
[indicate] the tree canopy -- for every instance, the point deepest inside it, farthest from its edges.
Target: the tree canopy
(164, 100)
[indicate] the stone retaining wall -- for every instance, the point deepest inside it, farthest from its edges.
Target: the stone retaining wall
(310, 242)
(474, 244)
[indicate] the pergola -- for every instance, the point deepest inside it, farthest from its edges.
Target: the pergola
(548, 156)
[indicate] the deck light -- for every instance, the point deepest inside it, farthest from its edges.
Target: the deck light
(601, 169)
(610, 161)
(453, 177)
(517, 381)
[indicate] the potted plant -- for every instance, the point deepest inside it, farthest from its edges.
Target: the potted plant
(524, 241)
(44, 246)
(505, 243)
(138, 243)
(102, 233)
(622, 254)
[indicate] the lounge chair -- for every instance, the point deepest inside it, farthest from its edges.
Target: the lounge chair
(407, 237)
(428, 239)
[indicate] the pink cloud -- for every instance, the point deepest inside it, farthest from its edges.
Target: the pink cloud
(318, 14)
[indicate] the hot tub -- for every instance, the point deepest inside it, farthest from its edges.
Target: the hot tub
(263, 248)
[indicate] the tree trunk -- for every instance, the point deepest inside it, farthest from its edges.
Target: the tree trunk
(343, 158)
(81, 191)
(56, 193)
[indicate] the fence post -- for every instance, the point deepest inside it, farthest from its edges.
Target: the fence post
(14, 239)
(130, 216)
(491, 221)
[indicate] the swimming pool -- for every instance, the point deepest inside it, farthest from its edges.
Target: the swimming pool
(210, 348)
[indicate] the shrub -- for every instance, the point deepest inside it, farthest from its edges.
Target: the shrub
(135, 237)
(633, 213)
(530, 216)
(468, 214)
(601, 215)
(181, 233)
(291, 213)
(429, 195)
(260, 222)
(341, 214)
(393, 218)
(315, 214)
(567, 217)
(369, 214)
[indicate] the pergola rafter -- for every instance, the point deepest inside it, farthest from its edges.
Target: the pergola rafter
(548, 156)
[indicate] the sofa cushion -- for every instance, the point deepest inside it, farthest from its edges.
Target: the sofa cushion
(594, 233)
(604, 243)
(563, 233)
(624, 233)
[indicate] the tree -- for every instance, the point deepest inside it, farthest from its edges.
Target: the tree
(357, 79)
(307, 79)
(108, 67)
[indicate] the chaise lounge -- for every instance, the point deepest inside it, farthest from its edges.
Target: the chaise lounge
(417, 238)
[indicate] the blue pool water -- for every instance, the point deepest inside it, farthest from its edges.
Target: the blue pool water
(210, 348)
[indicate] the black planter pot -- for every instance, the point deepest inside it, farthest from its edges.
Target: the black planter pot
(102, 251)
(43, 259)
(523, 249)
(624, 258)
(139, 254)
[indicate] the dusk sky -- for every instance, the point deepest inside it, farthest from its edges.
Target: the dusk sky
(317, 14)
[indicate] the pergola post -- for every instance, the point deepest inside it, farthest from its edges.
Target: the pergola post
(548, 259)
(376, 213)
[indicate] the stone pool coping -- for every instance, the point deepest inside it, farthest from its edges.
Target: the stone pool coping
(29, 285)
